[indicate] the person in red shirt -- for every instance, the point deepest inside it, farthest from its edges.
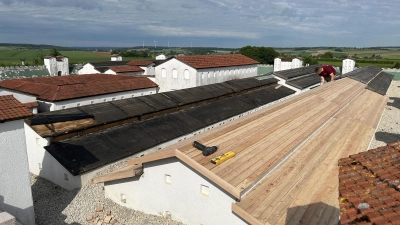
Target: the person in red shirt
(326, 72)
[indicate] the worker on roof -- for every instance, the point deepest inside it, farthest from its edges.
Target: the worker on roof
(326, 72)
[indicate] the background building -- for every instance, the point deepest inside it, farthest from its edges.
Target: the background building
(182, 72)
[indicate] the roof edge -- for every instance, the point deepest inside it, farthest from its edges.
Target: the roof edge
(245, 215)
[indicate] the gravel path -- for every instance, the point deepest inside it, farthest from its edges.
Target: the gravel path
(54, 205)
(388, 129)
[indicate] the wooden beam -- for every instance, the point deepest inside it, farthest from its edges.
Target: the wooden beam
(245, 215)
(161, 154)
(207, 173)
(126, 172)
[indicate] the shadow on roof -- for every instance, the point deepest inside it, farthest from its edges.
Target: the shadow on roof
(387, 137)
(306, 214)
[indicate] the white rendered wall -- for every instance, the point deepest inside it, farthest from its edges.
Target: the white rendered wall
(15, 187)
(88, 69)
(182, 198)
(63, 67)
(52, 106)
(161, 57)
(43, 164)
(116, 58)
(198, 77)
(22, 97)
(112, 72)
(277, 64)
(348, 65)
(296, 63)
(51, 65)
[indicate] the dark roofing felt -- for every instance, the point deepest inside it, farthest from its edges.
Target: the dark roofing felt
(381, 83)
(84, 153)
(304, 81)
(292, 73)
(364, 74)
(108, 63)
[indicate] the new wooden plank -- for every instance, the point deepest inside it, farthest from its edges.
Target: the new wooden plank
(128, 171)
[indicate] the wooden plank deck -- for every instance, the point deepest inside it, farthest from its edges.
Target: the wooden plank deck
(261, 140)
(304, 188)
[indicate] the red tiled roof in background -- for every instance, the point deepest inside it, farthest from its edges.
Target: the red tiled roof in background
(139, 62)
(212, 61)
(285, 59)
(31, 104)
(12, 109)
(124, 69)
(369, 186)
(76, 86)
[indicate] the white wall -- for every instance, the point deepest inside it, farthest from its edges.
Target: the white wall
(348, 65)
(22, 97)
(43, 164)
(63, 67)
(182, 197)
(52, 106)
(197, 77)
(87, 69)
(15, 188)
(112, 72)
(277, 64)
(53, 66)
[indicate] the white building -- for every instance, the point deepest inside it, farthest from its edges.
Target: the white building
(348, 65)
(125, 70)
(281, 63)
(146, 65)
(28, 100)
(55, 93)
(182, 72)
(57, 66)
(116, 57)
(15, 187)
(161, 57)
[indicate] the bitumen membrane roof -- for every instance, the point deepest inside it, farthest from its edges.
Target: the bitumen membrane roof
(381, 83)
(304, 81)
(292, 73)
(84, 153)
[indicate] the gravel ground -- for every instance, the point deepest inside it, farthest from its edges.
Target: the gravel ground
(388, 129)
(55, 205)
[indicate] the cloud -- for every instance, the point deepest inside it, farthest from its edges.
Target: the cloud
(236, 22)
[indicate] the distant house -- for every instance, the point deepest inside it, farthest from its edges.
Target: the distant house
(100, 67)
(281, 63)
(125, 70)
(57, 66)
(15, 187)
(146, 67)
(55, 93)
(161, 57)
(116, 57)
(182, 72)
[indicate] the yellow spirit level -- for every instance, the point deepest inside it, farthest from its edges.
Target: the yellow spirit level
(222, 158)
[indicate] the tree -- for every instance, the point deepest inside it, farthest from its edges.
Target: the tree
(310, 61)
(54, 52)
(261, 54)
(397, 65)
(327, 55)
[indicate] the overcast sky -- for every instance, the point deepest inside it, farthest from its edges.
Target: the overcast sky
(201, 23)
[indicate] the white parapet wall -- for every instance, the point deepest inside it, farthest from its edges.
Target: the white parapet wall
(169, 187)
(15, 187)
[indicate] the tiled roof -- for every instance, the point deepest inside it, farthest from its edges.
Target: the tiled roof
(76, 86)
(31, 104)
(12, 109)
(140, 62)
(124, 69)
(212, 61)
(369, 186)
(108, 63)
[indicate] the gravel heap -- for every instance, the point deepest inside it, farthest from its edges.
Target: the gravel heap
(388, 129)
(55, 205)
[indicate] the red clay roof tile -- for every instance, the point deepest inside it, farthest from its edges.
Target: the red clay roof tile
(76, 86)
(12, 109)
(140, 62)
(369, 183)
(212, 61)
(124, 69)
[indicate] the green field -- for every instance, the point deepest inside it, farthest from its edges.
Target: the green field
(13, 57)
